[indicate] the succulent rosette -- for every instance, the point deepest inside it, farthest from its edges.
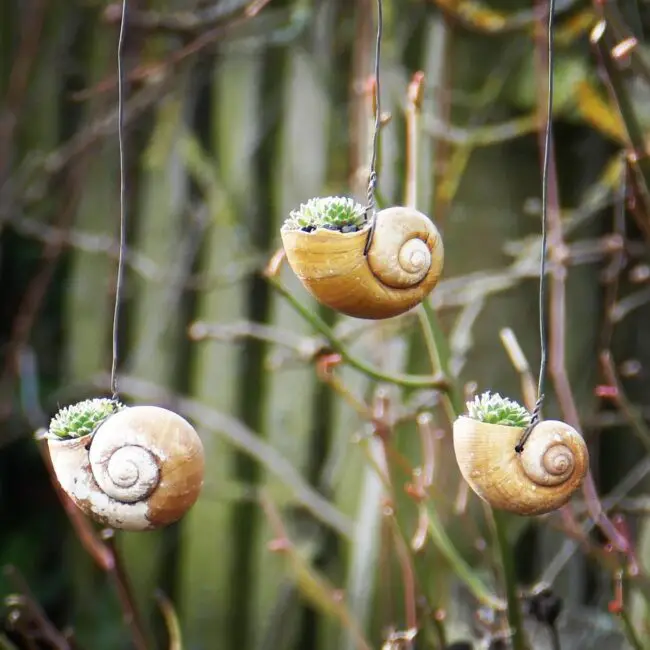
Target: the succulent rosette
(494, 409)
(81, 419)
(332, 212)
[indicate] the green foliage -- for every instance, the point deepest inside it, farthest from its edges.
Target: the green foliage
(332, 212)
(80, 419)
(494, 409)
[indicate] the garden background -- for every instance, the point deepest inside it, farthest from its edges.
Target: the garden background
(237, 112)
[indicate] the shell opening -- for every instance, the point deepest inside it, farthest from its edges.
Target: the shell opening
(131, 474)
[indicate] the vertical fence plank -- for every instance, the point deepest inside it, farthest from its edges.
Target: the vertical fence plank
(163, 233)
(301, 169)
(206, 581)
(91, 274)
(382, 344)
(88, 306)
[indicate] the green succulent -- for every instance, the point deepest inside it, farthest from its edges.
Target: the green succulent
(80, 419)
(494, 409)
(333, 212)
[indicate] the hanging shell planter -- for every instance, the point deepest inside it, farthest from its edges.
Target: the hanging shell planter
(324, 242)
(538, 480)
(134, 468)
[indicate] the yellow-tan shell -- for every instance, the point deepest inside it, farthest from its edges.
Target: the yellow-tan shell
(402, 267)
(540, 479)
(141, 469)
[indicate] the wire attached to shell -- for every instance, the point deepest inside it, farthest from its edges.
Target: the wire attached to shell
(538, 479)
(129, 467)
(372, 180)
(511, 458)
(359, 261)
(548, 141)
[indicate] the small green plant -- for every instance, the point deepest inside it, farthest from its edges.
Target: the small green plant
(494, 409)
(332, 212)
(80, 419)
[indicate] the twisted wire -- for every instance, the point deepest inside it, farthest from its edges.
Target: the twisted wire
(372, 180)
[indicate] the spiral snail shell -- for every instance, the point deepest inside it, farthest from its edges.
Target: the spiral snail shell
(402, 265)
(536, 481)
(141, 468)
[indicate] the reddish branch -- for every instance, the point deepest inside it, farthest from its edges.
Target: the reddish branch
(557, 291)
(104, 552)
(163, 68)
(30, 39)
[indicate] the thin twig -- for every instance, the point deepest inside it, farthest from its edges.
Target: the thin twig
(40, 173)
(165, 68)
(630, 631)
(383, 422)
(637, 151)
(33, 297)
(509, 579)
(46, 628)
(412, 381)
(171, 621)
(480, 18)
(569, 547)
(315, 586)
(31, 29)
(520, 363)
(557, 324)
(631, 414)
(247, 263)
(85, 532)
(181, 22)
(130, 613)
(243, 439)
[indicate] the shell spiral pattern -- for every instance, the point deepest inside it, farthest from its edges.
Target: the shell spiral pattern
(553, 466)
(126, 473)
(400, 255)
(553, 452)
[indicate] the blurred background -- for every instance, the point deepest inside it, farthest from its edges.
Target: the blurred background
(238, 111)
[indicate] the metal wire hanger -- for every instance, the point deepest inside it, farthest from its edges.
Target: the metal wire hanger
(371, 208)
(122, 148)
(548, 143)
(371, 204)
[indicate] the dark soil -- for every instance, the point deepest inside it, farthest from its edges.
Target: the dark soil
(344, 229)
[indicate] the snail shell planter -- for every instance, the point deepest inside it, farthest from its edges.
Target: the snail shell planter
(135, 468)
(324, 242)
(540, 479)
